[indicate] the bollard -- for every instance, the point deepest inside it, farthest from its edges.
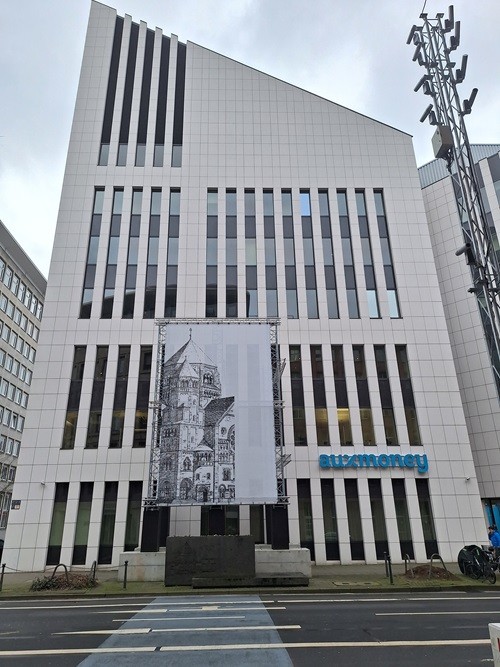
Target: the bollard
(1, 577)
(125, 574)
(385, 563)
(389, 566)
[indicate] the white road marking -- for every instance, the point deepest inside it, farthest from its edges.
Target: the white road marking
(166, 610)
(177, 618)
(342, 600)
(199, 603)
(245, 647)
(122, 631)
(236, 627)
(434, 613)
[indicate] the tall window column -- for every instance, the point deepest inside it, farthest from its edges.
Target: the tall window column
(142, 403)
(75, 392)
(328, 255)
(305, 515)
(429, 529)
(403, 518)
(385, 245)
(350, 276)
(343, 412)
(270, 255)
(118, 417)
(299, 412)
(57, 523)
(173, 253)
(97, 397)
(292, 307)
(82, 523)
(132, 255)
(354, 519)
(366, 247)
(152, 265)
(112, 260)
(250, 255)
(231, 255)
(320, 409)
(408, 398)
(378, 518)
(365, 408)
(105, 553)
(211, 259)
(133, 516)
(384, 385)
(309, 261)
(95, 232)
(330, 520)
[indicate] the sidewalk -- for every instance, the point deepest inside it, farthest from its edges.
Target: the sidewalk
(325, 579)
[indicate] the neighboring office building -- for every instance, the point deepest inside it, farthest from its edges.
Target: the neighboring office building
(198, 187)
(480, 394)
(22, 292)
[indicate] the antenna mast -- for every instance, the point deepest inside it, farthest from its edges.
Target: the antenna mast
(434, 41)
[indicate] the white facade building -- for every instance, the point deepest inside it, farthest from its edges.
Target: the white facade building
(197, 187)
(22, 291)
(480, 394)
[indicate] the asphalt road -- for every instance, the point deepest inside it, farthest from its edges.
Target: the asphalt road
(441, 629)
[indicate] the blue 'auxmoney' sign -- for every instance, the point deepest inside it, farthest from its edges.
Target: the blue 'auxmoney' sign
(418, 461)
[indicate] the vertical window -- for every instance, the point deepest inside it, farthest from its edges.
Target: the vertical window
(161, 105)
(118, 417)
(305, 515)
(292, 306)
(111, 93)
(178, 125)
(354, 519)
(270, 255)
(82, 523)
(366, 247)
(391, 434)
(97, 397)
(211, 254)
(365, 409)
(95, 231)
(231, 255)
(250, 255)
(350, 276)
(142, 403)
(343, 413)
(378, 518)
(152, 260)
(299, 413)
(318, 379)
(257, 523)
(75, 392)
(309, 261)
(127, 96)
(132, 255)
(172, 253)
(330, 520)
(142, 127)
(105, 553)
(408, 398)
(429, 530)
(57, 523)
(385, 245)
(133, 516)
(328, 256)
(112, 260)
(402, 518)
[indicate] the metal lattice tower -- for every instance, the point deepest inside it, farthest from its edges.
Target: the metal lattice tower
(435, 40)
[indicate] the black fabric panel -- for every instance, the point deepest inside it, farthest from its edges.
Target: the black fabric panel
(142, 128)
(180, 84)
(113, 75)
(129, 84)
(161, 105)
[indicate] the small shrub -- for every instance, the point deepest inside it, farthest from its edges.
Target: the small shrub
(74, 581)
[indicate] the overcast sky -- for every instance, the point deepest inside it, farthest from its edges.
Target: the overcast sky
(352, 52)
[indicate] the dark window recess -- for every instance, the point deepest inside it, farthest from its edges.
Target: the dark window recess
(305, 516)
(133, 516)
(142, 128)
(408, 398)
(118, 416)
(354, 519)
(180, 84)
(57, 523)
(220, 520)
(298, 407)
(161, 105)
(82, 523)
(75, 392)
(97, 397)
(109, 105)
(330, 520)
(378, 518)
(320, 407)
(142, 403)
(403, 518)
(426, 515)
(105, 553)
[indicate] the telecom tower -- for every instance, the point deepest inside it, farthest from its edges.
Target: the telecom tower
(435, 40)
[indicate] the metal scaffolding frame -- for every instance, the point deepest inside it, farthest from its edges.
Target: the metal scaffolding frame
(434, 45)
(153, 500)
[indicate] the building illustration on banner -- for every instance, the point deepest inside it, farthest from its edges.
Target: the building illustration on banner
(197, 435)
